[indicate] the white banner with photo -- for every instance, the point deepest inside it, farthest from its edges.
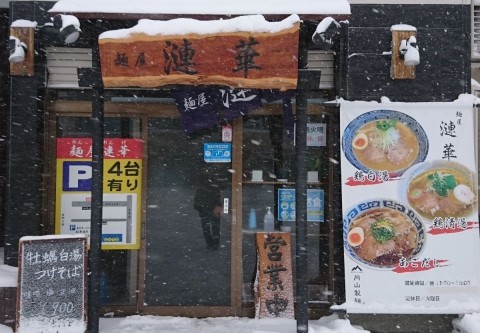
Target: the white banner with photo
(409, 200)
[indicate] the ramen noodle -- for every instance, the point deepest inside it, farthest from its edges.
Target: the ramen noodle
(388, 145)
(382, 237)
(442, 192)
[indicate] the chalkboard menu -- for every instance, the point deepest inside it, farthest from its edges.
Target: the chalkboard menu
(52, 284)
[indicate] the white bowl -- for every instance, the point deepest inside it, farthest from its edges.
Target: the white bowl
(420, 168)
(375, 204)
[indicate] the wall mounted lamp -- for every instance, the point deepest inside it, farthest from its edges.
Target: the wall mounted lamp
(326, 33)
(22, 35)
(17, 50)
(405, 54)
(65, 28)
(409, 51)
(68, 28)
(21, 47)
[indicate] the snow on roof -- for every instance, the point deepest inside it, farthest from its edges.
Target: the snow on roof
(207, 7)
(252, 23)
(463, 99)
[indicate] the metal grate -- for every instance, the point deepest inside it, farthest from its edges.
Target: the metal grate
(62, 64)
(323, 60)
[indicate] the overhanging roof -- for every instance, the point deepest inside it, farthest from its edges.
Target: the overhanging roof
(214, 8)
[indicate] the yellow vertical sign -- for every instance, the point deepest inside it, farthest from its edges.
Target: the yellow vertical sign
(122, 189)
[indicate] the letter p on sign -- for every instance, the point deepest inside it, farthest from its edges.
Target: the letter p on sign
(77, 176)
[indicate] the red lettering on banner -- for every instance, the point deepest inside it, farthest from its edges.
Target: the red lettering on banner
(352, 182)
(420, 266)
(452, 230)
(113, 148)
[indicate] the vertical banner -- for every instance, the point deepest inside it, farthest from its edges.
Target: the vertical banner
(197, 108)
(409, 198)
(122, 179)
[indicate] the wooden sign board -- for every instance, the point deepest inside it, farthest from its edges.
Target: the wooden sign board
(51, 293)
(237, 59)
(398, 70)
(26, 35)
(274, 287)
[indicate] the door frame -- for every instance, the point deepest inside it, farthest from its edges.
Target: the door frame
(144, 111)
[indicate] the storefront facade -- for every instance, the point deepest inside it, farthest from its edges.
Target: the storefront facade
(162, 264)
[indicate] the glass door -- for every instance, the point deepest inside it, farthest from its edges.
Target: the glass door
(188, 222)
(118, 282)
(268, 150)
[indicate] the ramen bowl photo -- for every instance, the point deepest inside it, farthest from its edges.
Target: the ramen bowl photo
(384, 140)
(439, 189)
(378, 233)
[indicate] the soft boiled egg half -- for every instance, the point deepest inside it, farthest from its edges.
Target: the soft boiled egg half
(356, 236)
(360, 141)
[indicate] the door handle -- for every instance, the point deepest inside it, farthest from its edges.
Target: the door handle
(225, 205)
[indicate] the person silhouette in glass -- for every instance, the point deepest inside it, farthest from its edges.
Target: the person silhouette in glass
(208, 203)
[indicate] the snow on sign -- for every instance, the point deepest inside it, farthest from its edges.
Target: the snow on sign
(51, 297)
(410, 219)
(245, 51)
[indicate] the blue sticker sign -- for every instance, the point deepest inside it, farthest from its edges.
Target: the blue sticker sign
(217, 152)
(286, 205)
(315, 205)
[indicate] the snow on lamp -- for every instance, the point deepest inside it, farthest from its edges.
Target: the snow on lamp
(409, 51)
(68, 27)
(405, 53)
(326, 33)
(17, 50)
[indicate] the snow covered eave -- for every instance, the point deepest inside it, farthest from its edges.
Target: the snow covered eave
(200, 9)
(185, 26)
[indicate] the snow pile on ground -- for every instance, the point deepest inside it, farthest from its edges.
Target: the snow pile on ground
(155, 324)
(8, 274)
(5, 329)
(469, 323)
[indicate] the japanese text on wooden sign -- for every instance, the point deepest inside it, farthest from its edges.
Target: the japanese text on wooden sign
(274, 293)
(247, 59)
